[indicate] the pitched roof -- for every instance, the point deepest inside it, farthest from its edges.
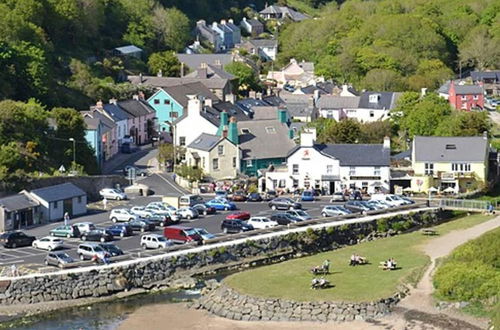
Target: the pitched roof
(480, 75)
(136, 108)
(180, 92)
(385, 100)
(17, 202)
(214, 83)
(338, 102)
(253, 22)
(273, 100)
(107, 123)
(265, 112)
(446, 149)
(91, 122)
(213, 72)
(232, 110)
(265, 139)
(263, 43)
(58, 192)
(286, 11)
(116, 113)
(205, 142)
(357, 154)
(468, 89)
(194, 61)
(247, 104)
(300, 110)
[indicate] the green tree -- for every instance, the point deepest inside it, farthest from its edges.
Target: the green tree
(480, 49)
(383, 80)
(172, 28)
(166, 62)
(245, 75)
(345, 131)
(430, 74)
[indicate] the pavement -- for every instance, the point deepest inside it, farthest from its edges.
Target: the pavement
(139, 158)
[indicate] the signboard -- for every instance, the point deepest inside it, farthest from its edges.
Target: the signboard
(305, 154)
(131, 173)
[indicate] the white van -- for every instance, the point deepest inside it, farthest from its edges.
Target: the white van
(190, 200)
(392, 200)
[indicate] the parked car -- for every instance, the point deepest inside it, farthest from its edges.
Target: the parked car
(270, 195)
(242, 215)
(48, 243)
(254, 197)
(138, 171)
(204, 209)
(110, 193)
(112, 249)
(302, 215)
(123, 215)
(142, 225)
(221, 194)
(392, 200)
(261, 222)
(204, 233)
(289, 88)
(235, 226)
(65, 231)
(408, 200)
(284, 218)
(307, 196)
(120, 229)
(334, 210)
(89, 250)
(84, 227)
(378, 204)
(357, 206)
(187, 213)
(14, 239)
(161, 220)
(141, 211)
(155, 241)
(281, 203)
(239, 196)
(221, 204)
(181, 234)
(101, 235)
(161, 210)
(338, 197)
(58, 259)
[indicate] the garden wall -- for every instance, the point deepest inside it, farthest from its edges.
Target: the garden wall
(160, 270)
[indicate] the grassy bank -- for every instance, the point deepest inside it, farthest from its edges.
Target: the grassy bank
(291, 279)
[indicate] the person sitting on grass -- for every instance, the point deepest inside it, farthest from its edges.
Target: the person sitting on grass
(353, 261)
(360, 260)
(314, 283)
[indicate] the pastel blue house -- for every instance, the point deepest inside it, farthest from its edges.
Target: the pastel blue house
(166, 107)
(225, 33)
(93, 135)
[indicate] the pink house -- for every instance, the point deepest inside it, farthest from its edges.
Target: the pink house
(141, 124)
(466, 97)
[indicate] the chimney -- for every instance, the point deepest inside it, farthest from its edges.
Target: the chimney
(141, 95)
(202, 73)
(224, 132)
(252, 94)
(423, 92)
(316, 96)
(99, 105)
(282, 115)
(258, 95)
(160, 73)
(233, 131)
(307, 137)
(231, 21)
(208, 102)
(223, 22)
(112, 101)
(194, 105)
(135, 97)
(223, 122)
(387, 142)
(218, 64)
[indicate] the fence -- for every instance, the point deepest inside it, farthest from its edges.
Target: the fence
(464, 204)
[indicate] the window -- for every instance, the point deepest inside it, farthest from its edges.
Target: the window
(460, 167)
(352, 171)
(329, 169)
(376, 171)
(234, 162)
(429, 169)
(249, 163)
(156, 101)
(451, 147)
(174, 114)
(166, 101)
(245, 131)
(79, 199)
(464, 97)
(372, 114)
(55, 205)
(220, 150)
(282, 183)
(8, 215)
(476, 97)
(295, 169)
(270, 130)
(182, 140)
(215, 163)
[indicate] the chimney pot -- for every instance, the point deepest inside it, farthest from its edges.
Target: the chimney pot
(387, 142)
(99, 104)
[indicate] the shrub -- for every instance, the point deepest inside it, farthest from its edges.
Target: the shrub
(382, 225)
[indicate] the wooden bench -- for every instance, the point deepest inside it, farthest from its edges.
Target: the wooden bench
(429, 232)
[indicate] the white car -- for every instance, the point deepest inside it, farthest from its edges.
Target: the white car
(141, 212)
(379, 204)
(155, 241)
(84, 227)
(48, 243)
(261, 222)
(392, 200)
(160, 210)
(110, 193)
(187, 213)
(123, 215)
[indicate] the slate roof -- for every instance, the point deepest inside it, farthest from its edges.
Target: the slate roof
(254, 22)
(232, 110)
(213, 72)
(130, 49)
(107, 123)
(480, 75)
(449, 149)
(468, 89)
(266, 139)
(300, 110)
(58, 192)
(286, 11)
(247, 104)
(160, 82)
(115, 112)
(265, 112)
(205, 142)
(91, 122)
(263, 43)
(136, 108)
(194, 61)
(338, 102)
(357, 154)
(273, 100)
(387, 100)
(17, 202)
(180, 92)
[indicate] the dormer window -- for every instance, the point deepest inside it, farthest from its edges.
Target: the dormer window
(245, 131)
(374, 98)
(451, 147)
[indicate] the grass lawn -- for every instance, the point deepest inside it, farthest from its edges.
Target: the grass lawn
(291, 279)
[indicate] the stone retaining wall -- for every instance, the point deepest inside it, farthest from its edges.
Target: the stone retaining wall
(228, 303)
(161, 270)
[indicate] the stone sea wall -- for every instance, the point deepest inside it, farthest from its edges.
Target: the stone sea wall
(164, 269)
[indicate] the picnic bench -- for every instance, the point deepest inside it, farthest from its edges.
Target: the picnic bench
(428, 231)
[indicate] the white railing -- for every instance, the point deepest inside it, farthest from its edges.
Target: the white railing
(463, 204)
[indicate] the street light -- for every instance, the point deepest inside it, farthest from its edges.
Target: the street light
(74, 150)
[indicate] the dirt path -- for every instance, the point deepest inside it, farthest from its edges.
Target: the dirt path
(416, 312)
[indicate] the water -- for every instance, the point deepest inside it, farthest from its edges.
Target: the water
(99, 316)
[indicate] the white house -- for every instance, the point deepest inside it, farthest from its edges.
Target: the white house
(59, 199)
(333, 167)
(266, 49)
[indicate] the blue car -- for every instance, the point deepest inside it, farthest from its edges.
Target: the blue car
(307, 196)
(120, 229)
(221, 204)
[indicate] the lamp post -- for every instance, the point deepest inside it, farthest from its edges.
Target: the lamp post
(74, 149)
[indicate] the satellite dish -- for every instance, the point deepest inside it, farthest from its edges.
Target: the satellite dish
(62, 169)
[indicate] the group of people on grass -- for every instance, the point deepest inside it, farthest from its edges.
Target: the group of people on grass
(389, 264)
(357, 260)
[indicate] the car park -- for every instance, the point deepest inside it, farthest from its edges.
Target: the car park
(181, 234)
(239, 196)
(122, 215)
(204, 233)
(222, 204)
(84, 227)
(89, 250)
(141, 211)
(48, 243)
(338, 197)
(65, 231)
(282, 203)
(254, 197)
(241, 215)
(307, 196)
(284, 218)
(235, 226)
(204, 209)
(100, 235)
(302, 215)
(111, 249)
(334, 210)
(187, 213)
(58, 259)
(142, 225)
(155, 241)
(110, 193)
(14, 239)
(261, 222)
(120, 229)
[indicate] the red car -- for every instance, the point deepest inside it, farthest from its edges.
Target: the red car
(241, 215)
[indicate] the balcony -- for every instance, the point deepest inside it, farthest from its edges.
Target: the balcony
(450, 176)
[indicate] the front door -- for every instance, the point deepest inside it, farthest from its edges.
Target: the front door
(331, 188)
(68, 206)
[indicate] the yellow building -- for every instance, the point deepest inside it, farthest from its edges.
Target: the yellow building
(458, 164)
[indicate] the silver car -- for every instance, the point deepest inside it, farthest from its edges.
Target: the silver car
(155, 241)
(334, 210)
(302, 215)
